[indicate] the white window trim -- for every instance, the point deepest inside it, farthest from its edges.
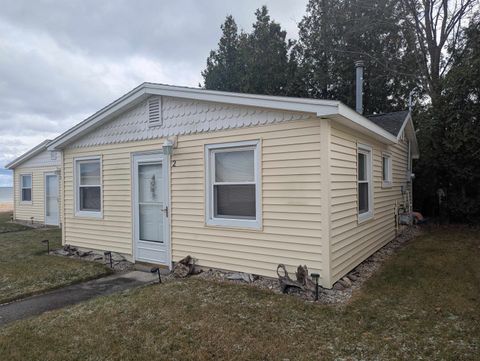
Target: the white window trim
(22, 188)
(76, 175)
(387, 183)
(368, 151)
(209, 176)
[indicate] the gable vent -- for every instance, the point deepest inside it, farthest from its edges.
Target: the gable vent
(155, 111)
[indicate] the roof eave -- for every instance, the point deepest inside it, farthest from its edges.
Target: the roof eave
(28, 155)
(369, 127)
(413, 136)
(98, 118)
(141, 92)
(318, 108)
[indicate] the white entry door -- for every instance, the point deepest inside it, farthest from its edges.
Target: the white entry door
(51, 199)
(151, 209)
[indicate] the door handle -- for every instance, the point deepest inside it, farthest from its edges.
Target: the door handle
(166, 211)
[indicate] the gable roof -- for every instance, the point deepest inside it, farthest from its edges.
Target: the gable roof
(396, 123)
(391, 122)
(29, 154)
(320, 108)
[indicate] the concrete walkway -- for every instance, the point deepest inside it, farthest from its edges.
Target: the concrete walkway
(70, 295)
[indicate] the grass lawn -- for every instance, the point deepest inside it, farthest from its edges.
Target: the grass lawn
(6, 226)
(26, 269)
(423, 304)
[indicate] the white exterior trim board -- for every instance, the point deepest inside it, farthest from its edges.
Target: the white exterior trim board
(318, 108)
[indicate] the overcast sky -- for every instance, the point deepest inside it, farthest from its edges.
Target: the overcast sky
(61, 61)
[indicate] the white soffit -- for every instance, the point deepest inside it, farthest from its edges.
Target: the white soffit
(320, 108)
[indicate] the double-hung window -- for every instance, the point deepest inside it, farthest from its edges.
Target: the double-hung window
(88, 187)
(26, 186)
(386, 170)
(364, 180)
(233, 185)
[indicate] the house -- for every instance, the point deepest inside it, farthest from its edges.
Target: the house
(36, 185)
(240, 182)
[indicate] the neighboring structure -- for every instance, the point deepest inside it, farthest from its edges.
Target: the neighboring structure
(238, 181)
(36, 180)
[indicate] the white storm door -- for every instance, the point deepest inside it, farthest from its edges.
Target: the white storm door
(51, 199)
(150, 209)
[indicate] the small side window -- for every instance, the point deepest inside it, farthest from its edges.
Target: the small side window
(364, 180)
(26, 187)
(386, 170)
(88, 187)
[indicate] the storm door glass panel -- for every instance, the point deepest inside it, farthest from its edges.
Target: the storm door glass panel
(51, 189)
(150, 202)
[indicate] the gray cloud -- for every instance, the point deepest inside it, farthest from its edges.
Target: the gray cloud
(61, 61)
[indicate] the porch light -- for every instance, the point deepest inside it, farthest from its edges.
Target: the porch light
(168, 147)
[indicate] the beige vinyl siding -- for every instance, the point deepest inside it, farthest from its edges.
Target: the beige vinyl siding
(351, 241)
(36, 209)
(114, 230)
(291, 201)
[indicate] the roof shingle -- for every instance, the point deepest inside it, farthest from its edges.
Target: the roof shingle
(391, 122)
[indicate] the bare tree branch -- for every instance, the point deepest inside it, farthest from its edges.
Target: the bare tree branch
(437, 23)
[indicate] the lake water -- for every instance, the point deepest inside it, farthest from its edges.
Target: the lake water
(6, 194)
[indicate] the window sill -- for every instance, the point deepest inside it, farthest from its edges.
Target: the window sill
(84, 214)
(387, 184)
(26, 203)
(364, 217)
(234, 224)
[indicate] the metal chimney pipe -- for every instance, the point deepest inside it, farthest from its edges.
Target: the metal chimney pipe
(359, 65)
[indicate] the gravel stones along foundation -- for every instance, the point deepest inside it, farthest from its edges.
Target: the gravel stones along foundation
(340, 293)
(119, 263)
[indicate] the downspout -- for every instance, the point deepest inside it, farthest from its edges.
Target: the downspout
(409, 179)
